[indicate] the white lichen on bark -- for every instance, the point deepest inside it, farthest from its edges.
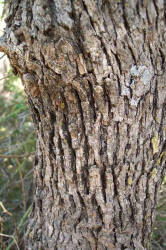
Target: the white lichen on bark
(140, 82)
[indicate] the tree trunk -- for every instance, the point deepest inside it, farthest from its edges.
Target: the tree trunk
(94, 75)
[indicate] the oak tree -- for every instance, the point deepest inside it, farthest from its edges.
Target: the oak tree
(94, 75)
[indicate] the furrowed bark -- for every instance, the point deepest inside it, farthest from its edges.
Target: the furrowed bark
(94, 75)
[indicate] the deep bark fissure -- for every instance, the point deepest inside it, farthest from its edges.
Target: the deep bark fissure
(69, 140)
(90, 18)
(85, 172)
(162, 122)
(61, 155)
(155, 100)
(126, 24)
(91, 100)
(157, 12)
(119, 65)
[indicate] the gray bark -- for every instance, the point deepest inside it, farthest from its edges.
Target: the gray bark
(94, 75)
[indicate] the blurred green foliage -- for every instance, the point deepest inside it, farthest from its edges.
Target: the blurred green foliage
(16, 139)
(1, 8)
(159, 229)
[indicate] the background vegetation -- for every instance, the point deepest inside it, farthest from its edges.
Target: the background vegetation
(17, 146)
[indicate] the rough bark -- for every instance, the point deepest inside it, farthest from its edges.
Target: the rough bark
(94, 75)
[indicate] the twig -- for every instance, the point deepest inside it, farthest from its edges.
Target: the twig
(2, 229)
(2, 56)
(4, 209)
(16, 156)
(20, 225)
(154, 242)
(24, 218)
(25, 177)
(22, 184)
(10, 214)
(6, 77)
(10, 236)
(161, 205)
